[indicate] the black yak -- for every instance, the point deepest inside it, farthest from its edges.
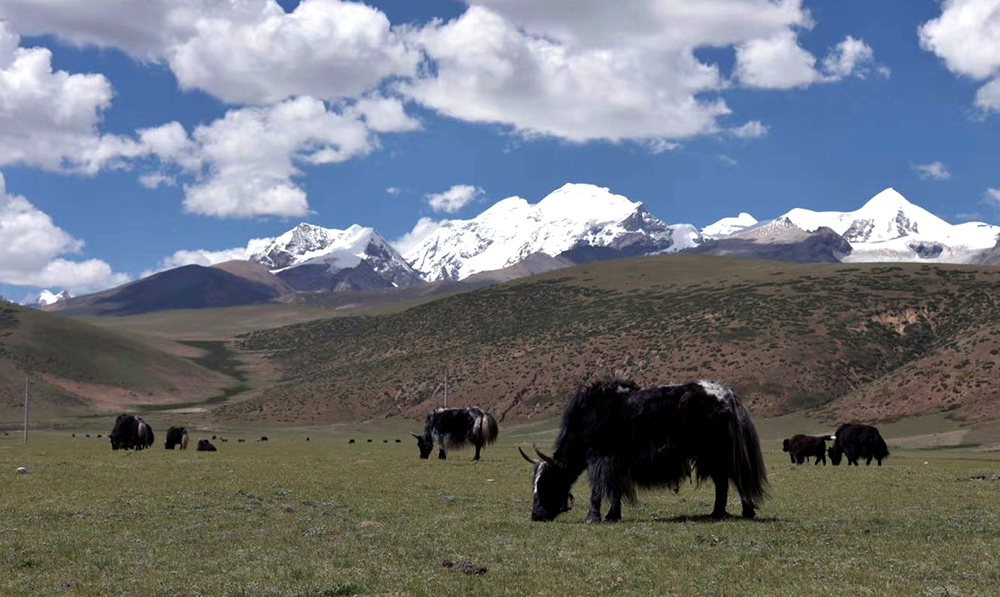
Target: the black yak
(130, 432)
(800, 447)
(455, 428)
(205, 446)
(176, 436)
(628, 437)
(856, 442)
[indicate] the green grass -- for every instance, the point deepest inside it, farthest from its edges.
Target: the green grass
(323, 517)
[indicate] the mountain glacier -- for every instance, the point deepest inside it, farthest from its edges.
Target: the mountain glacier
(327, 251)
(575, 217)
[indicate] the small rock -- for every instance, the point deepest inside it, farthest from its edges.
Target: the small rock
(21, 470)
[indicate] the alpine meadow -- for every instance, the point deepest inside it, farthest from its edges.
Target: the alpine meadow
(315, 298)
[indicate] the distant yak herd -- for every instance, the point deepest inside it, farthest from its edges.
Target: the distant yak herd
(625, 437)
(851, 440)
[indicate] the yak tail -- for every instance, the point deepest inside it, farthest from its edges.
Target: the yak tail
(141, 432)
(487, 429)
(749, 474)
(184, 441)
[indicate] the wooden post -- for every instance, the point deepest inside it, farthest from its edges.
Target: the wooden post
(25, 410)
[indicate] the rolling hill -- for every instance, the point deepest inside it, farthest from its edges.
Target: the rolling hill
(76, 368)
(867, 341)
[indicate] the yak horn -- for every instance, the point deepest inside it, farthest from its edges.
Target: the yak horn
(526, 457)
(543, 456)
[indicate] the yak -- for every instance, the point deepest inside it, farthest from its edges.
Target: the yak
(800, 447)
(131, 432)
(628, 437)
(456, 428)
(856, 442)
(176, 436)
(205, 446)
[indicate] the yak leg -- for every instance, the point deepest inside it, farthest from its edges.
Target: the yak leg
(441, 454)
(615, 512)
(721, 494)
(476, 457)
(868, 462)
(880, 462)
(595, 506)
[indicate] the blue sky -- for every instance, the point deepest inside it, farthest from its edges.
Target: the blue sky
(194, 126)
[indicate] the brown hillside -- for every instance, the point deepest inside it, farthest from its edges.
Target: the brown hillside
(788, 337)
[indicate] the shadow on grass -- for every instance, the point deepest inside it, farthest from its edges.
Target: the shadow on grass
(706, 518)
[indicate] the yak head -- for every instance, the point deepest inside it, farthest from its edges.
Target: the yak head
(551, 484)
(784, 446)
(836, 453)
(425, 444)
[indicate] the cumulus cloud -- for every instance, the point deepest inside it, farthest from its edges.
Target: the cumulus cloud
(966, 36)
(246, 163)
(754, 129)
(48, 118)
(779, 62)
(248, 52)
(932, 171)
(32, 250)
(455, 198)
(323, 48)
(423, 228)
(392, 190)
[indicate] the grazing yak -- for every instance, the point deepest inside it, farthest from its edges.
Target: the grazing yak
(176, 436)
(856, 442)
(456, 428)
(628, 437)
(800, 447)
(205, 446)
(131, 432)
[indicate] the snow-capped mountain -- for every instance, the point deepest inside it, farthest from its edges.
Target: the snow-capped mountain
(577, 218)
(727, 226)
(890, 228)
(325, 252)
(47, 297)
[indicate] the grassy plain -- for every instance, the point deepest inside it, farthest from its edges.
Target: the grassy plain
(320, 518)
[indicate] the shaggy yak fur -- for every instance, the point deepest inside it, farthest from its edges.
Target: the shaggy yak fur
(176, 436)
(800, 447)
(628, 437)
(456, 428)
(131, 432)
(856, 442)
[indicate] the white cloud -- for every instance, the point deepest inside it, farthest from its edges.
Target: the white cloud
(32, 249)
(988, 96)
(455, 198)
(324, 48)
(489, 70)
(246, 163)
(728, 160)
(967, 37)
(250, 51)
(852, 57)
(992, 197)
(754, 129)
(779, 62)
(49, 118)
(932, 171)
(423, 228)
(392, 190)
